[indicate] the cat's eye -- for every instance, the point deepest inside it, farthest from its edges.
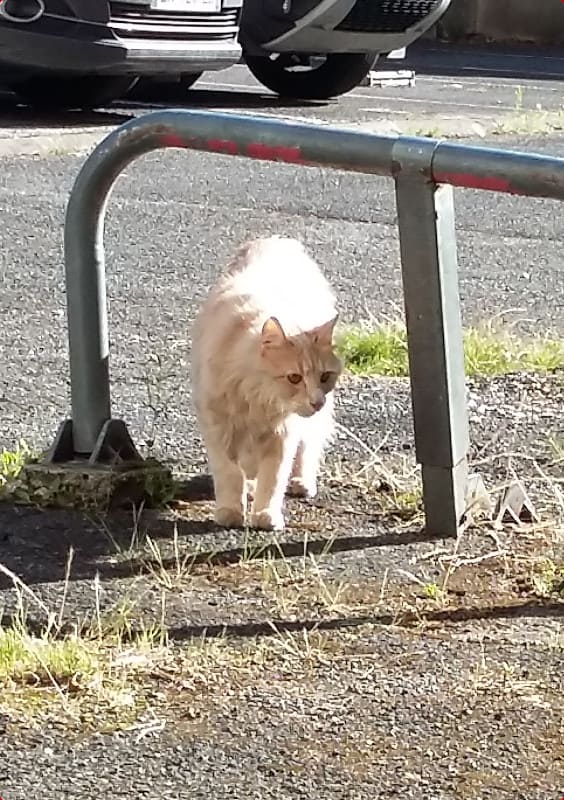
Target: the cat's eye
(325, 376)
(294, 378)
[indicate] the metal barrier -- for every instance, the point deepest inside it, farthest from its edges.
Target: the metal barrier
(428, 255)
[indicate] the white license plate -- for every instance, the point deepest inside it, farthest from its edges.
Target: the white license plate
(189, 6)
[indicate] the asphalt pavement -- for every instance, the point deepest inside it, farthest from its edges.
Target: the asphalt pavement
(174, 219)
(419, 712)
(464, 92)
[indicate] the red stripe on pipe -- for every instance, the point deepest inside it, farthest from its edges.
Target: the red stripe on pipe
(469, 181)
(172, 140)
(265, 152)
(268, 152)
(222, 146)
(212, 145)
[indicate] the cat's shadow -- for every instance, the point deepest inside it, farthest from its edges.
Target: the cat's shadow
(199, 488)
(196, 488)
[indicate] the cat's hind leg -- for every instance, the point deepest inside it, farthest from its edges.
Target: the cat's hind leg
(273, 473)
(316, 432)
(303, 477)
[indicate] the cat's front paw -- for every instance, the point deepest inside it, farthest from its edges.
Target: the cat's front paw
(298, 487)
(267, 520)
(229, 517)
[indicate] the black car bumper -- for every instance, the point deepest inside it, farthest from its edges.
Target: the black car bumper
(122, 42)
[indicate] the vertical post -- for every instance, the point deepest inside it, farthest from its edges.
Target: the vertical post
(434, 330)
(87, 316)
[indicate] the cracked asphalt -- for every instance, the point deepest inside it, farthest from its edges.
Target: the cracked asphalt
(462, 703)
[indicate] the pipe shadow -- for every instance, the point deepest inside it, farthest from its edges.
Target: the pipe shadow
(530, 609)
(35, 544)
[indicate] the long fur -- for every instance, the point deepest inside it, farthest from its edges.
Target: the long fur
(263, 372)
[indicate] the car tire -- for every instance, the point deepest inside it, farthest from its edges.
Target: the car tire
(65, 92)
(188, 79)
(338, 74)
(159, 89)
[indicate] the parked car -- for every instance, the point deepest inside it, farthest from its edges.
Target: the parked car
(58, 54)
(317, 49)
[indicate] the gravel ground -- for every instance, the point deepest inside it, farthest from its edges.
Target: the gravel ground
(346, 734)
(394, 692)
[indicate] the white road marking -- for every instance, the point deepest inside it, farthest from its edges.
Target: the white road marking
(356, 94)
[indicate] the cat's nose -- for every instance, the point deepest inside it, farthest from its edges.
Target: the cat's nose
(318, 403)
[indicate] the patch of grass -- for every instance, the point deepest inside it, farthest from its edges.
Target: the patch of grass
(488, 351)
(107, 677)
(491, 352)
(408, 502)
(92, 674)
(499, 679)
(548, 579)
(432, 132)
(376, 351)
(291, 587)
(42, 661)
(112, 669)
(12, 462)
(94, 679)
(531, 121)
(433, 591)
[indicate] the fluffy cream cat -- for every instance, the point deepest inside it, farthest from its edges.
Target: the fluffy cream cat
(263, 371)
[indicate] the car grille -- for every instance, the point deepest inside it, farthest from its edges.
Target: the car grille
(387, 16)
(129, 21)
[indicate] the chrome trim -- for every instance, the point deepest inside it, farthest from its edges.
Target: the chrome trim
(40, 5)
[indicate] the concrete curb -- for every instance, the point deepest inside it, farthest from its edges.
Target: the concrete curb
(43, 142)
(14, 143)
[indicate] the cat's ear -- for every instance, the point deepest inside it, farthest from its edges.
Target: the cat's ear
(272, 333)
(323, 334)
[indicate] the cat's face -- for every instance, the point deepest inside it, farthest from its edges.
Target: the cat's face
(304, 367)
